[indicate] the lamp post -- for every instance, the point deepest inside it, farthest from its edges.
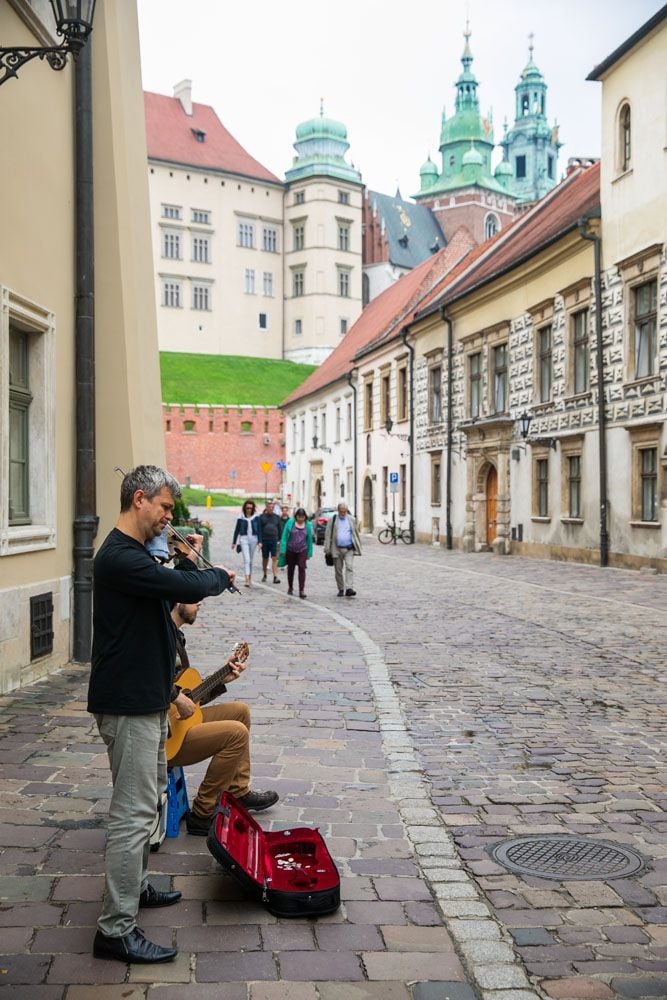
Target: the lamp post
(525, 421)
(74, 23)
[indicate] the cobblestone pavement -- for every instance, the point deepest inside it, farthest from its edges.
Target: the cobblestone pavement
(456, 701)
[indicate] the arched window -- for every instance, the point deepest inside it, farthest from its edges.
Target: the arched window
(625, 137)
(491, 226)
(368, 449)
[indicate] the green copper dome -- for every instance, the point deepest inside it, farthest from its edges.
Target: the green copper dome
(321, 145)
(472, 158)
(504, 169)
(321, 128)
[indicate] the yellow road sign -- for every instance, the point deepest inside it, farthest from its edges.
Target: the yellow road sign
(266, 467)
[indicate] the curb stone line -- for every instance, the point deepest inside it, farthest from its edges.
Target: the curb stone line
(468, 919)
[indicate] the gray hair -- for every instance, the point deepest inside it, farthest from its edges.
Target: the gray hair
(149, 478)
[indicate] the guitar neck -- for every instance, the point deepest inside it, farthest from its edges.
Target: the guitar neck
(203, 690)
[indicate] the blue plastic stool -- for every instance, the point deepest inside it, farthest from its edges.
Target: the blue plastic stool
(177, 799)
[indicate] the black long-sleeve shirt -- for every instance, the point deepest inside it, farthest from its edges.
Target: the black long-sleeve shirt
(134, 647)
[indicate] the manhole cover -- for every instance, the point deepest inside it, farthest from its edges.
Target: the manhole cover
(565, 858)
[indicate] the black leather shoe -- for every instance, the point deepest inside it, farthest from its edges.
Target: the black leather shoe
(197, 826)
(341, 593)
(350, 593)
(133, 947)
(153, 897)
(257, 801)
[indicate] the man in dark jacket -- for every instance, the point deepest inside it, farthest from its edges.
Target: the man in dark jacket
(272, 529)
(134, 650)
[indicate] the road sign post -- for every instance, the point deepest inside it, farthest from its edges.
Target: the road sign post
(266, 468)
(393, 489)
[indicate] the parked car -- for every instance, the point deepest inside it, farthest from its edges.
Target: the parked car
(320, 520)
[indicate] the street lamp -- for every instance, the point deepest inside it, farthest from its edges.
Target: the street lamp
(74, 23)
(388, 424)
(525, 421)
(320, 446)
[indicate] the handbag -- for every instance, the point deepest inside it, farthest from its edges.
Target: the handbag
(238, 548)
(328, 558)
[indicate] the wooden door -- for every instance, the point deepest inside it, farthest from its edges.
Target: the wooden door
(368, 505)
(491, 506)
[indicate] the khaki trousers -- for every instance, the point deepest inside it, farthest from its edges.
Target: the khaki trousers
(344, 569)
(224, 736)
(135, 746)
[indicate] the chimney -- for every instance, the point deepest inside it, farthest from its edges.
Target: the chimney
(183, 91)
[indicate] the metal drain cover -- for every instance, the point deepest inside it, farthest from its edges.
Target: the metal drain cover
(567, 858)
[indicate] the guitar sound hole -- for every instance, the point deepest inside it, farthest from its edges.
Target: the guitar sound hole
(240, 826)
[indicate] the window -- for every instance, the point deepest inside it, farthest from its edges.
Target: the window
(348, 422)
(625, 138)
(385, 489)
(201, 297)
(270, 239)
(246, 234)
(267, 284)
(368, 405)
(41, 625)
(499, 359)
(246, 427)
(344, 197)
(20, 399)
(343, 327)
(200, 249)
(298, 327)
(302, 441)
(249, 285)
(343, 283)
(343, 237)
(580, 351)
(436, 484)
(189, 426)
(171, 245)
(385, 398)
(171, 294)
(645, 308)
(545, 367)
(201, 216)
(491, 226)
(171, 212)
(167, 426)
(520, 167)
(368, 449)
(403, 489)
(298, 236)
(337, 430)
(574, 486)
(649, 483)
(298, 283)
(551, 167)
(541, 505)
(402, 393)
(263, 321)
(435, 395)
(323, 432)
(299, 197)
(293, 433)
(475, 384)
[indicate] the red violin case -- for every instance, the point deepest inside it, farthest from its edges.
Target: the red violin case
(291, 871)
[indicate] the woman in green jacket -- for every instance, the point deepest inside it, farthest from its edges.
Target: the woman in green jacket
(296, 547)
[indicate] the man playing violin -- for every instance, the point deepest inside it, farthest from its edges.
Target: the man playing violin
(223, 735)
(134, 650)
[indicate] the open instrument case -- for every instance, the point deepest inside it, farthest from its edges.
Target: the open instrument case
(291, 871)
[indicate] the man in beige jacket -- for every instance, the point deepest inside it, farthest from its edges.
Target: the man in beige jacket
(341, 541)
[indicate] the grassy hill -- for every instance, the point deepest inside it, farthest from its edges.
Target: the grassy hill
(228, 379)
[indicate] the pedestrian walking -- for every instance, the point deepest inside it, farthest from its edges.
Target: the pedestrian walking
(342, 544)
(272, 528)
(247, 536)
(296, 547)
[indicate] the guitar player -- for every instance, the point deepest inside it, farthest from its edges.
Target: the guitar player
(223, 735)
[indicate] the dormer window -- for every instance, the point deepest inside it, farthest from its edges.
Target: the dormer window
(199, 134)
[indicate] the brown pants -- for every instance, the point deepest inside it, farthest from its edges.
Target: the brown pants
(224, 736)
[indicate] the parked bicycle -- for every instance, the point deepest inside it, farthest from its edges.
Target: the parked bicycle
(392, 532)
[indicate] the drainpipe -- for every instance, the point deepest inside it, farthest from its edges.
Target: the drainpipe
(85, 515)
(596, 240)
(353, 387)
(411, 526)
(450, 418)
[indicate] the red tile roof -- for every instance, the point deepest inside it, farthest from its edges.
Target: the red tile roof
(382, 315)
(550, 219)
(170, 137)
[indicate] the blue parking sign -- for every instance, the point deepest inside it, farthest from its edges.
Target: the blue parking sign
(393, 477)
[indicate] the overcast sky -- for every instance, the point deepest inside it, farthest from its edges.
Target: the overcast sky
(383, 67)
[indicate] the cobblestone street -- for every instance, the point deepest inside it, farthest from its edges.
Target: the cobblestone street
(458, 700)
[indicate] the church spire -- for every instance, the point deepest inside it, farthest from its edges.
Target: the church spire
(466, 85)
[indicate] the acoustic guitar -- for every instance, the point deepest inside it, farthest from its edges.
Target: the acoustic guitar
(199, 690)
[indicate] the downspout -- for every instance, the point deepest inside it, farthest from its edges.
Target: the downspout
(85, 515)
(450, 418)
(596, 240)
(404, 336)
(353, 387)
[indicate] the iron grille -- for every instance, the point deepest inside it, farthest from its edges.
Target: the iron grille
(41, 625)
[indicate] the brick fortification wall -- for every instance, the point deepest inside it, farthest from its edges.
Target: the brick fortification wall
(223, 447)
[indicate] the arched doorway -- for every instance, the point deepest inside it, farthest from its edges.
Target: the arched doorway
(491, 505)
(368, 504)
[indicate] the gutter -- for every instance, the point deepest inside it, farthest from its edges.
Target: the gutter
(450, 429)
(353, 387)
(596, 240)
(404, 337)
